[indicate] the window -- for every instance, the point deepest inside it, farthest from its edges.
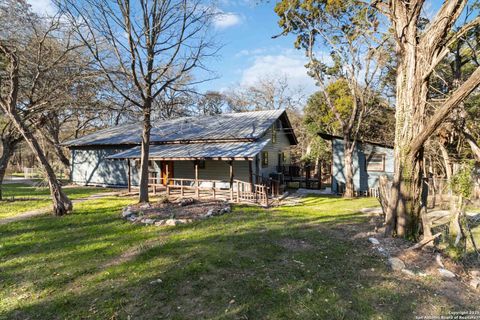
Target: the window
(264, 158)
(375, 162)
(274, 134)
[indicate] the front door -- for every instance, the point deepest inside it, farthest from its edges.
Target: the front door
(167, 171)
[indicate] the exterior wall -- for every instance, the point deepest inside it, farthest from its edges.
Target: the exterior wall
(281, 145)
(363, 180)
(90, 167)
(214, 170)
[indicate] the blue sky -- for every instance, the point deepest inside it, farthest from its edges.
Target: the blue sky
(248, 52)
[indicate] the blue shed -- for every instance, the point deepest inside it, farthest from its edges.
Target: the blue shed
(370, 161)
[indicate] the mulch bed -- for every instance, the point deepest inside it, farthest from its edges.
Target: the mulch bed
(165, 213)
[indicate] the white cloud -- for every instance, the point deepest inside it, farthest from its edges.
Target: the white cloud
(288, 64)
(42, 7)
(225, 20)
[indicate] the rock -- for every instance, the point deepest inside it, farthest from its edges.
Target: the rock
(126, 212)
(446, 273)
(171, 222)
(438, 259)
(373, 241)
(221, 211)
(227, 209)
(186, 202)
(409, 272)
(148, 221)
(132, 218)
(475, 283)
(156, 281)
(146, 205)
(396, 264)
(382, 251)
(210, 213)
(160, 222)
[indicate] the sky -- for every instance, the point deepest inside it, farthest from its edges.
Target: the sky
(248, 53)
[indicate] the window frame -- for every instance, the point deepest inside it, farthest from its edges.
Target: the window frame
(264, 160)
(274, 134)
(376, 169)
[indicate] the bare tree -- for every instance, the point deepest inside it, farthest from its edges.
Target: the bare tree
(143, 47)
(40, 66)
(420, 49)
(267, 93)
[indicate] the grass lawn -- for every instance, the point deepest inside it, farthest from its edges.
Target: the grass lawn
(285, 263)
(40, 197)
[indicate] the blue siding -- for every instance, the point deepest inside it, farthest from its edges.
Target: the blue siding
(362, 179)
(90, 167)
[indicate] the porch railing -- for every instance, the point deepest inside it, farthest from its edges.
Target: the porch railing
(238, 191)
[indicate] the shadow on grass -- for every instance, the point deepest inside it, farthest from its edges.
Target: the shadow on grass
(253, 264)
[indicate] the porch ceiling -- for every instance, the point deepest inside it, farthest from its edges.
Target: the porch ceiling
(197, 151)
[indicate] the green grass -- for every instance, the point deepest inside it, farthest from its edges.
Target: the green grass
(26, 197)
(284, 263)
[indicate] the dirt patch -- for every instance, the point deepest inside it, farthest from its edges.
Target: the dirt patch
(424, 263)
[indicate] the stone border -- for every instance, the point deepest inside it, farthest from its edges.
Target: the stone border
(133, 216)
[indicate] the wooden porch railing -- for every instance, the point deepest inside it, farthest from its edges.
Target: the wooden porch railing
(239, 191)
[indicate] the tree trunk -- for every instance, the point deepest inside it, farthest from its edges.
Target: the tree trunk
(446, 161)
(8, 146)
(348, 151)
(61, 203)
(143, 194)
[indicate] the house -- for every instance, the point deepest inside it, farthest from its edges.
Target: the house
(370, 161)
(246, 147)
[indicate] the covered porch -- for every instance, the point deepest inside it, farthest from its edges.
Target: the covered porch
(226, 171)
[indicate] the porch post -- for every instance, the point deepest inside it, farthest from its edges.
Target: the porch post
(231, 180)
(129, 182)
(197, 193)
(167, 172)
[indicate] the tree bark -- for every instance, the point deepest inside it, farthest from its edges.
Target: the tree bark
(8, 146)
(143, 193)
(348, 151)
(61, 204)
(446, 161)
(418, 55)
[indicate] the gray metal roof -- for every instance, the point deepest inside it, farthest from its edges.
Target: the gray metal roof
(182, 151)
(223, 127)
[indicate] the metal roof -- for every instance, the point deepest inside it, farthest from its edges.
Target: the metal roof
(328, 136)
(182, 151)
(242, 126)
